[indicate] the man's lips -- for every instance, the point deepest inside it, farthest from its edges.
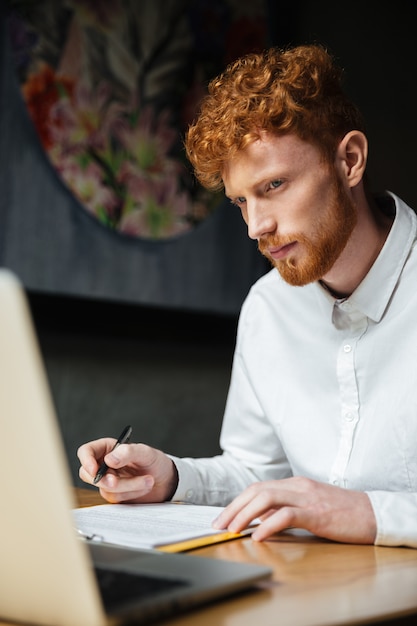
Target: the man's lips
(280, 252)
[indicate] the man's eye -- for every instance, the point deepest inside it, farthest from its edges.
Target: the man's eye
(274, 184)
(239, 201)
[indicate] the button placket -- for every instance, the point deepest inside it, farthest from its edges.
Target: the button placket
(349, 393)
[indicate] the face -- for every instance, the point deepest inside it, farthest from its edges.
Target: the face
(294, 205)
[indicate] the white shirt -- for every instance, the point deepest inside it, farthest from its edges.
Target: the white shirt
(326, 389)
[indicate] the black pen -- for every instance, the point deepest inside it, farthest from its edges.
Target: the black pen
(124, 438)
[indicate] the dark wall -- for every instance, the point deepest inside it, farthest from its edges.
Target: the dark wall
(163, 371)
(376, 44)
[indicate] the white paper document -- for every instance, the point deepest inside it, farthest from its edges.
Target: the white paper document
(170, 526)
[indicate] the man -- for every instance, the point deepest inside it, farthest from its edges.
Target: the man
(320, 426)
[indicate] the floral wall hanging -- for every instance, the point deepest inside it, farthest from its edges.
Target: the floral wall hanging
(111, 86)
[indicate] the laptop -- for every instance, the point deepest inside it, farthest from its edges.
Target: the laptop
(48, 575)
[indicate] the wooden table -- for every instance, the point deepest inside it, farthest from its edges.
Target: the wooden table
(315, 583)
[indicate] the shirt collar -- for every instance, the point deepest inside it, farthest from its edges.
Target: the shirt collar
(375, 291)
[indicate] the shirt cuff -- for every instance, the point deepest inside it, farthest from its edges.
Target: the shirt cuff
(396, 515)
(185, 491)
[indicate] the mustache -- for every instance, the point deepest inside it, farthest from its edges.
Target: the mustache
(276, 241)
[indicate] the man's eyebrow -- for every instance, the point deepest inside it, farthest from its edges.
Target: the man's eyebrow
(255, 185)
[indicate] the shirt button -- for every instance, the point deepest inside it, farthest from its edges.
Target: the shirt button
(347, 348)
(335, 481)
(189, 494)
(349, 416)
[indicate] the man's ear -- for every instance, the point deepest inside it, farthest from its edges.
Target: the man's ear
(351, 157)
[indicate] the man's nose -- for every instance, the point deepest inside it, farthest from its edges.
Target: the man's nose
(260, 220)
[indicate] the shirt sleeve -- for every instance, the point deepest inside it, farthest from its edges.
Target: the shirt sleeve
(396, 516)
(214, 481)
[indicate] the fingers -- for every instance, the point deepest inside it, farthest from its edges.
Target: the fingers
(133, 489)
(233, 513)
(90, 456)
(136, 471)
(279, 520)
(260, 499)
(325, 510)
(139, 455)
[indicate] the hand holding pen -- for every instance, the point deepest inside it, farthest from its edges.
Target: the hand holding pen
(123, 438)
(142, 473)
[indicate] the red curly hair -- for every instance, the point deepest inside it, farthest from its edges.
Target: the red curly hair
(297, 90)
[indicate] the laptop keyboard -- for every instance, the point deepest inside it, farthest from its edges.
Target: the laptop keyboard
(119, 587)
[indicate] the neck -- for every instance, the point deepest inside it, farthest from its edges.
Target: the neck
(361, 251)
(336, 294)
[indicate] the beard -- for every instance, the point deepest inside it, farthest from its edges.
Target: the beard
(325, 245)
